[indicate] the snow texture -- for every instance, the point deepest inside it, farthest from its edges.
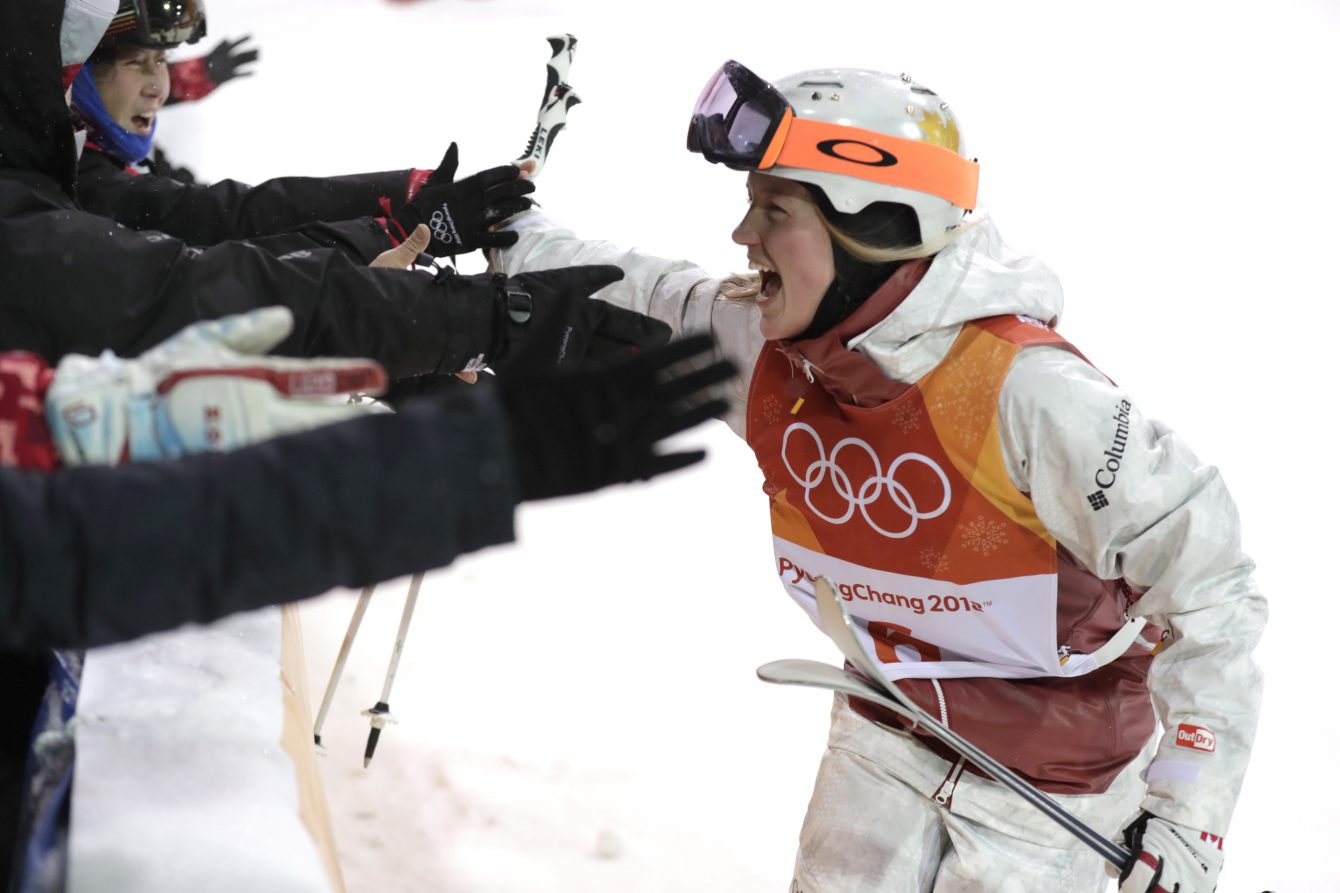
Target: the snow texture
(177, 737)
(579, 711)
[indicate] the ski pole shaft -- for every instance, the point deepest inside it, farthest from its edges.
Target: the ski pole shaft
(405, 616)
(379, 715)
(359, 610)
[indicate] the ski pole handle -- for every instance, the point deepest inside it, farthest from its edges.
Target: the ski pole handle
(558, 98)
(561, 47)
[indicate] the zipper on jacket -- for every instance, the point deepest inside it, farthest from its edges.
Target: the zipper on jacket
(946, 792)
(940, 696)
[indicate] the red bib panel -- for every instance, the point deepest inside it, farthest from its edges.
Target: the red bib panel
(908, 508)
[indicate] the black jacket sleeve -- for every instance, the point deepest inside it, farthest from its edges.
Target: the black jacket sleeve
(207, 215)
(90, 556)
(71, 282)
(359, 240)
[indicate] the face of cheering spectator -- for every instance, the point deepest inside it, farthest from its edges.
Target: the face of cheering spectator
(134, 85)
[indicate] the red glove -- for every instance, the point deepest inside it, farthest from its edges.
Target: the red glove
(25, 441)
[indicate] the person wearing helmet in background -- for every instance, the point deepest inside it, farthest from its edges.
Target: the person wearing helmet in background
(125, 84)
(70, 282)
(1032, 560)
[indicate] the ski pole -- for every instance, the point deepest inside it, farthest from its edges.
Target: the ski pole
(840, 628)
(379, 714)
(558, 98)
(359, 609)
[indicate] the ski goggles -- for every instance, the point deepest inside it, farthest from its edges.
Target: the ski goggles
(160, 24)
(746, 123)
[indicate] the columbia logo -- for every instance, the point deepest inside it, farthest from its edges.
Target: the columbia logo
(1098, 500)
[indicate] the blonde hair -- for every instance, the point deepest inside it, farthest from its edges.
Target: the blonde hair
(745, 286)
(872, 254)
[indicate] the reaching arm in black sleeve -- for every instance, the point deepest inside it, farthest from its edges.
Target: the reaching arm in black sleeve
(208, 215)
(95, 555)
(90, 555)
(71, 282)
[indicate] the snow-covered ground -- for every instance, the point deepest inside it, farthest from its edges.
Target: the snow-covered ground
(579, 711)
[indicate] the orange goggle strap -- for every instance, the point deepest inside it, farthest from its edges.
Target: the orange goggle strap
(877, 157)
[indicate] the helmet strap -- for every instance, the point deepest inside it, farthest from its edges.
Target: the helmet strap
(881, 225)
(853, 282)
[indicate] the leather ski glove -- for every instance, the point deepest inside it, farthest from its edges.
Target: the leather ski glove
(459, 214)
(1170, 858)
(577, 432)
(206, 389)
(537, 322)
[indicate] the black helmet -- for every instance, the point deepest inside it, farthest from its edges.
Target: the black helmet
(161, 24)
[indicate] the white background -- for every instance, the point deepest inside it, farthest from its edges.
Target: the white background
(578, 712)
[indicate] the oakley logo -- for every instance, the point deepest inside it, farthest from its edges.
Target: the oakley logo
(871, 156)
(870, 491)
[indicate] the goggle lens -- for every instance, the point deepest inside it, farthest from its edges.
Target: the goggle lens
(735, 117)
(173, 22)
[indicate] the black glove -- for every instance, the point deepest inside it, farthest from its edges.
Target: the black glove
(534, 323)
(576, 432)
(459, 214)
(224, 62)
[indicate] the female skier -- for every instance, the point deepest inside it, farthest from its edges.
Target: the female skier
(1031, 559)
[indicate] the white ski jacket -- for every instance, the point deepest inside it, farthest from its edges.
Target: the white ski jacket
(1170, 528)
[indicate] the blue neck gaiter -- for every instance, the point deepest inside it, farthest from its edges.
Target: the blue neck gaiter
(121, 144)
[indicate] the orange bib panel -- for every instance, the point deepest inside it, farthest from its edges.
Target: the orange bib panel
(909, 509)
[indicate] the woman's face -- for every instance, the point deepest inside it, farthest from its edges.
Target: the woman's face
(790, 248)
(134, 87)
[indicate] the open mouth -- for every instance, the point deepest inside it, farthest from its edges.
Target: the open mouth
(770, 283)
(142, 123)
(769, 280)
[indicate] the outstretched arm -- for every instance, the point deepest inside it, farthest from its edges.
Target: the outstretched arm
(95, 555)
(677, 292)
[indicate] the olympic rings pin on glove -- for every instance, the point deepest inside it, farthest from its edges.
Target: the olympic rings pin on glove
(459, 214)
(207, 389)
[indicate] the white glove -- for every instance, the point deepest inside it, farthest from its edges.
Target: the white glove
(1170, 858)
(206, 389)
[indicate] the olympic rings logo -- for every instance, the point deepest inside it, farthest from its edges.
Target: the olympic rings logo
(869, 491)
(443, 227)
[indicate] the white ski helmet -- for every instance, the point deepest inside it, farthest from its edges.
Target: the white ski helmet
(859, 136)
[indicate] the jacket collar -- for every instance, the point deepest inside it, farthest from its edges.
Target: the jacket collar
(903, 330)
(847, 374)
